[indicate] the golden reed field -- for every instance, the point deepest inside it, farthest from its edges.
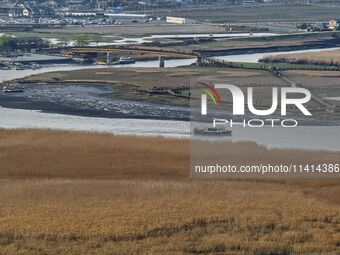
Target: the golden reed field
(82, 193)
(328, 57)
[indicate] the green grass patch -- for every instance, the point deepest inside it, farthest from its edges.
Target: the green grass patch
(63, 36)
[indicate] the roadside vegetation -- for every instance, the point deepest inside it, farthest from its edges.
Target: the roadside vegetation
(55, 38)
(82, 193)
(267, 63)
(8, 44)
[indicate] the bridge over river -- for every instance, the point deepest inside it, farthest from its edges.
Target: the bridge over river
(131, 50)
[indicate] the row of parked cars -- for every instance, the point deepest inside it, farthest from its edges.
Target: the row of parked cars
(19, 66)
(83, 21)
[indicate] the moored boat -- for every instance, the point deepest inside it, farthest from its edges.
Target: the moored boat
(35, 66)
(126, 60)
(212, 131)
(12, 88)
(19, 66)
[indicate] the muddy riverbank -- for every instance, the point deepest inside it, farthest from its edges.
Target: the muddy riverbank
(89, 100)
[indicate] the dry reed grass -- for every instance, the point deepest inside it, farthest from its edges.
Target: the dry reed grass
(329, 57)
(34, 153)
(78, 193)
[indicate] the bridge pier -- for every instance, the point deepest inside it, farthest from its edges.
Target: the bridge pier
(199, 61)
(126, 50)
(108, 60)
(161, 62)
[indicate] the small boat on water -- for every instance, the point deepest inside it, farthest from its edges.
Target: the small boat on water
(5, 67)
(120, 61)
(19, 66)
(12, 88)
(35, 66)
(126, 60)
(212, 131)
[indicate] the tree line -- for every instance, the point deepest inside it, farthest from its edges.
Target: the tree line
(8, 43)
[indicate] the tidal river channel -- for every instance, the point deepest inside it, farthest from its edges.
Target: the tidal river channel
(91, 108)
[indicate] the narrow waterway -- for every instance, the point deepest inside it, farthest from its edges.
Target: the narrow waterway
(151, 38)
(6, 75)
(249, 58)
(256, 57)
(311, 138)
